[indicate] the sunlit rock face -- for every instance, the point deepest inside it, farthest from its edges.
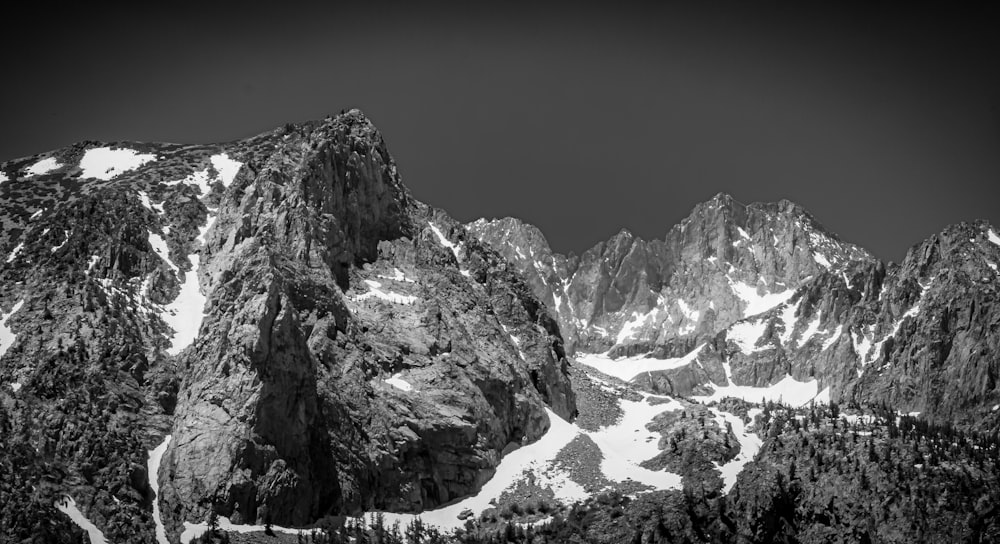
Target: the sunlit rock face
(751, 295)
(314, 340)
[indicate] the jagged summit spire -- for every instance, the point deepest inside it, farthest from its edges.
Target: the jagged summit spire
(725, 198)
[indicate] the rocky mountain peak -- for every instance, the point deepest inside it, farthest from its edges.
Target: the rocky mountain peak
(312, 339)
(724, 261)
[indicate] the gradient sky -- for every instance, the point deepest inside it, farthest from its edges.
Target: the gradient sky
(883, 121)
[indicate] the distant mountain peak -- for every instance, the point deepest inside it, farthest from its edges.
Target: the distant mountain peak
(721, 261)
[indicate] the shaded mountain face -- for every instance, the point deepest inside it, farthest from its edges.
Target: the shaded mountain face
(752, 295)
(314, 340)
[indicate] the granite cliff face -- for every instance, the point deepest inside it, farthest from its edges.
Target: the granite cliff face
(724, 262)
(314, 340)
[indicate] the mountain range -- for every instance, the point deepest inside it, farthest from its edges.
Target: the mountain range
(275, 331)
(762, 291)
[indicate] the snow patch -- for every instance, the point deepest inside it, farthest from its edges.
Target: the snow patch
(862, 345)
(687, 311)
(152, 472)
(993, 237)
(745, 335)
(743, 233)
(821, 260)
(14, 252)
(36, 215)
(749, 446)
(399, 383)
(444, 240)
(514, 340)
(106, 163)
(788, 322)
(397, 275)
(789, 391)
(629, 367)
(450, 245)
(203, 230)
(159, 245)
(823, 397)
(811, 329)
(690, 315)
(195, 530)
(375, 290)
(226, 167)
(632, 326)
(149, 205)
(757, 303)
(200, 179)
(65, 239)
(8, 336)
(43, 166)
(628, 443)
(869, 351)
(16, 386)
(185, 314)
(3, 176)
(833, 338)
(93, 261)
(68, 506)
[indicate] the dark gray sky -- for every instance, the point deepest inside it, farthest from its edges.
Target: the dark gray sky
(883, 120)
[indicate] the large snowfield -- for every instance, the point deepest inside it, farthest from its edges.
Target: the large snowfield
(184, 315)
(749, 446)
(628, 368)
(787, 391)
(534, 457)
(628, 443)
(623, 446)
